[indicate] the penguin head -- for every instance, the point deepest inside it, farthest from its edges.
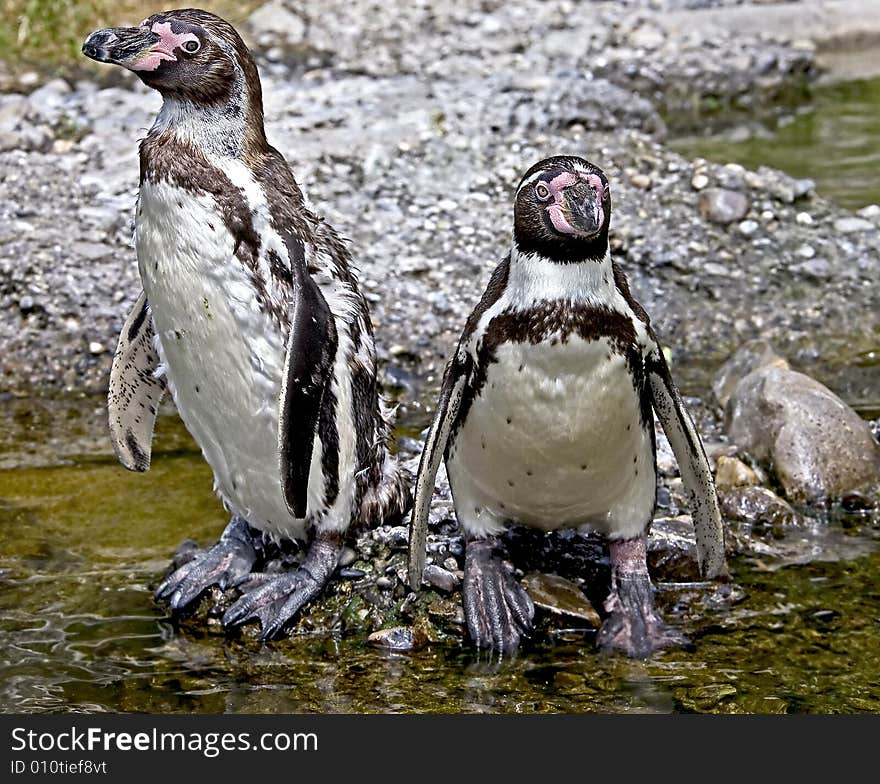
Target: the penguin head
(562, 210)
(189, 55)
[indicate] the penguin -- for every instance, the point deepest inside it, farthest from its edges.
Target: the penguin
(251, 316)
(545, 419)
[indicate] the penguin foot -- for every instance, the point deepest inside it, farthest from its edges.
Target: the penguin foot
(498, 610)
(275, 599)
(227, 563)
(634, 627)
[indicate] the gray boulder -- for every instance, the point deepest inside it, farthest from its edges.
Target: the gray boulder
(818, 447)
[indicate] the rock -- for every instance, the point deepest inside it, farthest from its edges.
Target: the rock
(440, 578)
(852, 225)
(805, 251)
(399, 638)
(667, 465)
(47, 101)
(804, 219)
(817, 446)
(757, 506)
(820, 269)
(347, 557)
(647, 36)
(719, 205)
(274, 21)
(730, 472)
(872, 212)
(751, 356)
(699, 181)
(748, 228)
(560, 597)
(672, 549)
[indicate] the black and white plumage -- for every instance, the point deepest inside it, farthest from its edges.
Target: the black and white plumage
(545, 417)
(252, 316)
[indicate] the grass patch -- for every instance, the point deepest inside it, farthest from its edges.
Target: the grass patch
(47, 34)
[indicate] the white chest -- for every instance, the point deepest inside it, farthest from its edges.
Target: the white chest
(223, 356)
(554, 439)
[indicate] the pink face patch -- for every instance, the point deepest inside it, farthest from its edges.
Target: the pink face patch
(163, 49)
(558, 185)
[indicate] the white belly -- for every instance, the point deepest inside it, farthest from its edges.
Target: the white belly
(554, 440)
(224, 358)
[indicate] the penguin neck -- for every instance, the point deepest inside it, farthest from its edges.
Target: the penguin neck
(229, 128)
(533, 279)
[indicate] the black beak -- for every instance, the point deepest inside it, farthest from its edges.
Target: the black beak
(583, 208)
(119, 45)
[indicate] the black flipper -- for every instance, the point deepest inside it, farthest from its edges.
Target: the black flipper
(693, 463)
(308, 370)
(135, 390)
(498, 611)
(226, 564)
(451, 390)
(274, 599)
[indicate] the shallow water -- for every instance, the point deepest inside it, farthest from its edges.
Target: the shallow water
(833, 140)
(82, 543)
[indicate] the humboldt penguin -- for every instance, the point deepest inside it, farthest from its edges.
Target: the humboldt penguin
(545, 419)
(252, 317)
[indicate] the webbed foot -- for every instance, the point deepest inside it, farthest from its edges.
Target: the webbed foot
(227, 563)
(633, 626)
(498, 610)
(275, 599)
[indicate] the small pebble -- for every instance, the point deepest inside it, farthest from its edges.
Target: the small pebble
(853, 225)
(398, 638)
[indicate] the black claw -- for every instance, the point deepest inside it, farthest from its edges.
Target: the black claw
(498, 611)
(634, 627)
(226, 564)
(274, 600)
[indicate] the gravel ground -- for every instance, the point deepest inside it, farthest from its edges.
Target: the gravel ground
(409, 127)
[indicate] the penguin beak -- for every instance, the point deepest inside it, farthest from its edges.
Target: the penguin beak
(125, 46)
(579, 209)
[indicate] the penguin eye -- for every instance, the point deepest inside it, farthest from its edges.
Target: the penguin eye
(542, 191)
(191, 46)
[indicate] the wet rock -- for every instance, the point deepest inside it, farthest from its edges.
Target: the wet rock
(672, 549)
(723, 206)
(440, 578)
(730, 472)
(757, 506)
(817, 446)
(347, 557)
(399, 638)
(560, 597)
